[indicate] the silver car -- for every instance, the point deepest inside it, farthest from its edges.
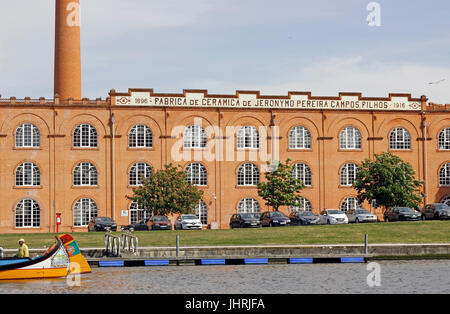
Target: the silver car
(361, 215)
(188, 221)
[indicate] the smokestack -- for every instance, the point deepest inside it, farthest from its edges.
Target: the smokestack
(67, 49)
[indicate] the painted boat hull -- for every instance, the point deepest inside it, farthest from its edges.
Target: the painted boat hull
(33, 273)
(78, 264)
(53, 264)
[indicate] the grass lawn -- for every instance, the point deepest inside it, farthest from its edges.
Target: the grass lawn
(398, 232)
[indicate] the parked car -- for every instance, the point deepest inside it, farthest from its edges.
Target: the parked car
(361, 215)
(333, 216)
(435, 211)
(401, 214)
(102, 224)
(271, 219)
(188, 221)
(139, 226)
(245, 220)
(304, 218)
(159, 223)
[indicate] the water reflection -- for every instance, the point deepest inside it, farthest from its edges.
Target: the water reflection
(396, 277)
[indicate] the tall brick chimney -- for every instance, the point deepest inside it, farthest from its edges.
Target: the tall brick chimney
(67, 79)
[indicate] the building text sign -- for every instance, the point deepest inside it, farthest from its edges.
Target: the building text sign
(250, 101)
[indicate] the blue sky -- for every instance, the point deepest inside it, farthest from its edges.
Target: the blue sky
(323, 46)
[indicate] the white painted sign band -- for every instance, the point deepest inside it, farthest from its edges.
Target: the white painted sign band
(193, 100)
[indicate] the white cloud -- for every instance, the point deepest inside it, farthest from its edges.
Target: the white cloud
(328, 77)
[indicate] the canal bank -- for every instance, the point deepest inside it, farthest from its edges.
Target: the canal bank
(260, 254)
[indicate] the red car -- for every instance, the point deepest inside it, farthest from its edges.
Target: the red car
(159, 223)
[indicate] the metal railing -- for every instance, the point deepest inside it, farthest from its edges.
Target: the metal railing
(112, 244)
(129, 242)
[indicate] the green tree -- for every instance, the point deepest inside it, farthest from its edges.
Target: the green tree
(167, 192)
(389, 180)
(280, 188)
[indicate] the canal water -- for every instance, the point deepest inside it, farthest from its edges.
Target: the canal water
(393, 277)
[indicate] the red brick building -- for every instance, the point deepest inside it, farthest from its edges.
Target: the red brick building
(81, 157)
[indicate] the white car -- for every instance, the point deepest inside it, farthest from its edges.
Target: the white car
(361, 215)
(333, 216)
(188, 221)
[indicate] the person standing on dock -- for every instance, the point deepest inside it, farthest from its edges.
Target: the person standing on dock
(23, 250)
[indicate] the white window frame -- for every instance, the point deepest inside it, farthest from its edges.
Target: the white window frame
(140, 136)
(248, 205)
(446, 200)
(444, 139)
(302, 172)
(85, 136)
(27, 136)
(400, 139)
(30, 217)
(83, 211)
(304, 205)
(28, 174)
(350, 203)
(299, 138)
(201, 211)
(444, 175)
(248, 137)
(85, 174)
(248, 175)
(195, 137)
(137, 171)
(348, 174)
(137, 213)
(196, 174)
(350, 139)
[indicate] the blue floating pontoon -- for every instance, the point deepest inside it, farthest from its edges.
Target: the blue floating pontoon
(110, 263)
(156, 262)
(256, 260)
(213, 261)
(300, 260)
(352, 259)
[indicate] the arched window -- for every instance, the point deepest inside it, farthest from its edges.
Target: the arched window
(137, 213)
(248, 205)
(350, 138)
(399, 139)
(28, 214)
(444, 175)
(201, 211)
(350, 203)
(85, 136)
(248, 174)
(85, 174)
(248, 137)
(446, 200)
(84, 210)
(138, 171)
(302, 172)
(299, 138)
(303, 206)
(27, 135)
(348, 174)
(140, 137)
(195, 137)
(196, 174)
(28, 174)
(444, 139)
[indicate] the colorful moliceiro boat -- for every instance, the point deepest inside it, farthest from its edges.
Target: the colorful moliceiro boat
(59, 260)
(78, 264)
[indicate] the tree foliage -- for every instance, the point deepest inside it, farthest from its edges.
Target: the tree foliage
(280, 188)
(167, 192)
(389, 180)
